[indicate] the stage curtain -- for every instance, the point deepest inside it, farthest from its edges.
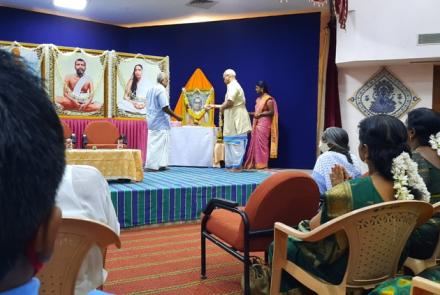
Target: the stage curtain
(332, 107)
(324, 37)
(134, 130)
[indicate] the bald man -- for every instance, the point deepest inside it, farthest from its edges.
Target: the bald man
(236, 122)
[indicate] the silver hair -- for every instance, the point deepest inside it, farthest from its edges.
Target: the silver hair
(229, 72)
(161, 76)
(338, 140)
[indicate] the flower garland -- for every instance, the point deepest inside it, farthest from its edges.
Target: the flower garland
(197, 115)
(434, 141)
(405, 175)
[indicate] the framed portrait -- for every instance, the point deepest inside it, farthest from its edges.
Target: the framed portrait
(133, 75)
(31, 54)
(194, 112)
(79, 81)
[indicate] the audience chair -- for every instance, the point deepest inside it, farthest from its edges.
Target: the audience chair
(419, 265)
(74, 240)
(422, 286)
(376, 236)
(102, 135)
(287, 197)
(68, 134)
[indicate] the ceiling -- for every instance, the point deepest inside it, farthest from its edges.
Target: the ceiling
(134, 13)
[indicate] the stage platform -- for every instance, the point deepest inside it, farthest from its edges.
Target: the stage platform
(179, 194)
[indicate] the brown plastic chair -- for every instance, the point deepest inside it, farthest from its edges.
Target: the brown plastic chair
(422, 286)
(376, 236)
(101, 135)
(419, 265)
(288, 197)
(74, 240)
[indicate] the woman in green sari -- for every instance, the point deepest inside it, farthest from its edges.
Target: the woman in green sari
(383, 140)
(424, 140)
(424, 126)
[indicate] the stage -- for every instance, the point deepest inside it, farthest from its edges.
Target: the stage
(179, 194)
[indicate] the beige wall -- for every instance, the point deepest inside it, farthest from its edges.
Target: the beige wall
(418, 77)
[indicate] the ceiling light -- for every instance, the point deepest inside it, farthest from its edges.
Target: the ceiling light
(71, 4)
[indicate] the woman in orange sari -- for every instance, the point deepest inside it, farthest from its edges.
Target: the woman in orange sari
(264, 137)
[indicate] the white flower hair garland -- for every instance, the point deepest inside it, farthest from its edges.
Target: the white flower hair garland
(434, 141)
(405, 175)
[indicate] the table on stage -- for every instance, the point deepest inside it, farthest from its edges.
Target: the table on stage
(135, 130)
(192, 146)
(112, 163)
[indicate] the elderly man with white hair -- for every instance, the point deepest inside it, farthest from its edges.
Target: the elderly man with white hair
(236, 122)
(158, 119)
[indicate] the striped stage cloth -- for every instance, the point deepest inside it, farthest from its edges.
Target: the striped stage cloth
(179, 194)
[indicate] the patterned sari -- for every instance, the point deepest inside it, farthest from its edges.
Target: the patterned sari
(424, 239)
(328, 258)
(263, 129)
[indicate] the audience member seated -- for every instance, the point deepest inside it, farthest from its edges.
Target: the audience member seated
(424, 139)
(84, 193)
(32, 164)
(383, 146)
(335, 151)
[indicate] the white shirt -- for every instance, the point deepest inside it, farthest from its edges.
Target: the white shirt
(325, 163)
(236, 119)
(157, 99)
(84, 193)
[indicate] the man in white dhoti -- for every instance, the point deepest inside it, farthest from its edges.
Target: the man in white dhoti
(84, 193)
(236, 122)
(158, 119)
(78, 91)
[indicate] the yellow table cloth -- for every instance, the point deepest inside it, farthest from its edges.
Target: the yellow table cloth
(112, 163)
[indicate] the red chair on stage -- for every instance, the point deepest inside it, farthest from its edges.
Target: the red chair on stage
(283, 197)
(103, 135)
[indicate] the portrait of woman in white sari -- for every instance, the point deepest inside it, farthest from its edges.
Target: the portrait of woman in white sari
(135, 92)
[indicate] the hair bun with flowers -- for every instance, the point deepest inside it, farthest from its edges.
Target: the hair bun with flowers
(406, 176)
(434, 141)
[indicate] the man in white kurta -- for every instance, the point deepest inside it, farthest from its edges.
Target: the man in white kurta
(236, 122)
(158, 120)
(84, 193)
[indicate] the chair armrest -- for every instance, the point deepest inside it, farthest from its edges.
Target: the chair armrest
(419, 284)
(85, 141)
(314, 235)
(73, 137)
(124, 138)
(232, 207)
(219, 203)
(436, 207)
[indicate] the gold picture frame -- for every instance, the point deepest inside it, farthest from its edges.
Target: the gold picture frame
(83, 94)
(132, 76)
